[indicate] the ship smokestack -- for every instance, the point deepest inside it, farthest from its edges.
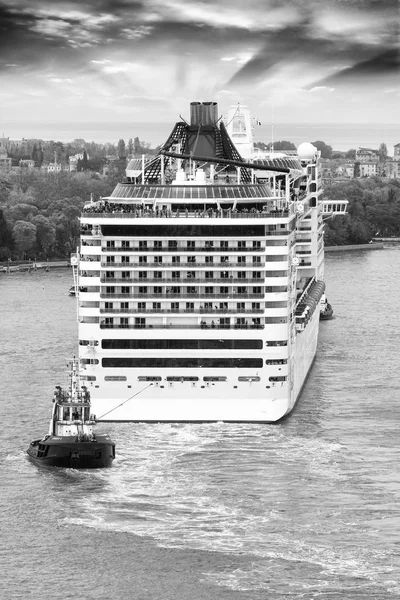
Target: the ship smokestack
(203, 113)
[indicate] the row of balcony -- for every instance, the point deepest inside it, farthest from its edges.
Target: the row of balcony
(215, 311)
(205, 248)
(193, 264)
(188, 281)
(203, 325)
(118, 295)
(199, 310)
(170, 214)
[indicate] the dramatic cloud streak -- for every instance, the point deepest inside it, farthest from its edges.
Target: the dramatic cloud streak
(113, 60)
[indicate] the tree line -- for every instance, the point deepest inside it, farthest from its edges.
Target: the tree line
(373, 211)
(94, 154)
(39, 211)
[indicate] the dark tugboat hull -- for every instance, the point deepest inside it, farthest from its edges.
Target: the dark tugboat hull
(325, 316)
(69, 453)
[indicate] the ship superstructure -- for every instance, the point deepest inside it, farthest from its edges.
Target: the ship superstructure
(199, 282)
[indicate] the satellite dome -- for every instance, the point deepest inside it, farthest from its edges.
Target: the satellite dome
(306, 151)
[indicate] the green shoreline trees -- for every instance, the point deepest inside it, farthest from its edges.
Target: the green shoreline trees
(39, 211)
(373, 210)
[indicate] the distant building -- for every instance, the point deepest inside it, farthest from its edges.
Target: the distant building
(79, 156)
(73, 163)
(346, 170)
(396, 152)
(53, 167)
(367, 155)
(392, 168)
(73, 160)
(27, 163)
(368, 169)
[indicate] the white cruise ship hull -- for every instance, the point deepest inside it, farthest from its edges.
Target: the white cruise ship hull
(254, 401)
(199, 297)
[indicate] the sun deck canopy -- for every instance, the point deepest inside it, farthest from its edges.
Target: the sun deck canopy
(127, 191)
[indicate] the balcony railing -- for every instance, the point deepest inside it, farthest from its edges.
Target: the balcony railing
(191, 265)
(172, 326)
(157, 250)
(183, 311)
(188, 281)
(168, 295)
(174, 214)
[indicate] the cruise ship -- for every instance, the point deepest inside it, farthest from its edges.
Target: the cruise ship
(199, 280)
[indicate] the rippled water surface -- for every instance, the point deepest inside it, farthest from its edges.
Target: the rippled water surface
(306, 509)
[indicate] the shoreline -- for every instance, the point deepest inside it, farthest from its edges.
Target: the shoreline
(371, 246)
(12, 266)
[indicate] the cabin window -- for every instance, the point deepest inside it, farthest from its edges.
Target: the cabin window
(182, 378)
(189, 344)
(170, 363)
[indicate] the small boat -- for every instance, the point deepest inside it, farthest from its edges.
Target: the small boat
(71, 441)
(72, 291)
(326, 311)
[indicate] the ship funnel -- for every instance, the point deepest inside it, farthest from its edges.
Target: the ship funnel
(203, 113)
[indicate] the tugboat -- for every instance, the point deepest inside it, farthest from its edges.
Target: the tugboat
(71, 441)
(326, 310)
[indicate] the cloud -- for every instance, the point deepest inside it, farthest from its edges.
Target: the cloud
(309, 47)
(380, 66)
(59, 80)
(136, 32)
(195, 49)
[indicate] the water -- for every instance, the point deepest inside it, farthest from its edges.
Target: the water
(307, 509)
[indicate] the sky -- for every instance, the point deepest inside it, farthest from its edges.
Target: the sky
(114, 61)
